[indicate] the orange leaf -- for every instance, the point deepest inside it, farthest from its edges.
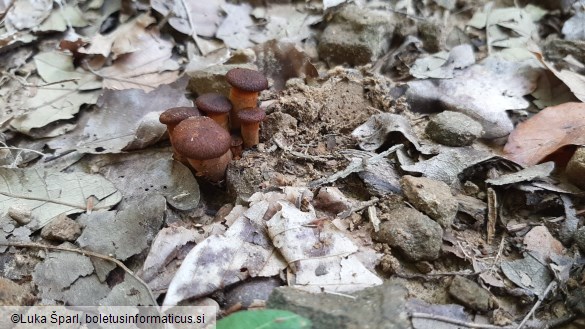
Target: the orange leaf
(547, 132)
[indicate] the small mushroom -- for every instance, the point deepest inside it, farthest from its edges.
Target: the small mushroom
(236, 146)
(250, 119)
(215, 106)
(206, 145)
(246, 85)
(171, 118)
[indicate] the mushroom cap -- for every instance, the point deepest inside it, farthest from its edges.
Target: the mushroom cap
(201, 138)
(213, 103)
(246, 79)
(177, 114)
(251, 115)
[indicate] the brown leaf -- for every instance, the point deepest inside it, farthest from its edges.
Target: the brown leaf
(547, 132)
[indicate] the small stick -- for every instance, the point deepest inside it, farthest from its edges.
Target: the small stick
(85, 253)
(299, 154)
(551, 286)
(455, 321)
(354, 166)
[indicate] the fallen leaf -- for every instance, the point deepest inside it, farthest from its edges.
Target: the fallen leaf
(573, 80)
(546, 132)
(539, 239)
(61, 19)
(483, 91)
(192, 17)
(441, 65)
(372, 134)
(528, 273)
(120, 41)
(26, 14)
(574, 27)
(447, 166)
(124, 114)
(48, 194)
(52, 103)
(285, 23)
(147, 67)
(243, 251)
(234, 29)
(537, 172)
(321, 257)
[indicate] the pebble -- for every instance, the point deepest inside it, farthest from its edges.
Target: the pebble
(470, 294)
(61, 228)
(411, 232)
(576, 168)
(432, 197)
(453, 129)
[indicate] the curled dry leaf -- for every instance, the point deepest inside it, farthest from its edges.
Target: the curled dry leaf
(546, 132)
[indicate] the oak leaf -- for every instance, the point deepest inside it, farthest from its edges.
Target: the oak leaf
(546, 132)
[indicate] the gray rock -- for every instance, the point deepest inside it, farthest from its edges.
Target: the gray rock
(576, 168)
(355, 36)
(278, 122)
(432, 197)
(470, 294)
(381, 307)
(411, 232)
(432, 35)
(251, 292)
(453, 129)
(61, 228)
(212, 79)
(580, 238)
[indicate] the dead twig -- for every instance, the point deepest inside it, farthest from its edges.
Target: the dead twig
(64, 203)
(455, 321)
(354, 166)
(552, 285)
(85, 253)
(300, 155)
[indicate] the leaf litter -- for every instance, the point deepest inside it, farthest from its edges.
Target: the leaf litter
(133, 61)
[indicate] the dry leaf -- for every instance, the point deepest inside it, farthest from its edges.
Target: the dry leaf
(128, 119)
(484, 92)
(26, 14)
(540, 240)
(192, 17)
(546, 132)
(49, 194)
(234, 29)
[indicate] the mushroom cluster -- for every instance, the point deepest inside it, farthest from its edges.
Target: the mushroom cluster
(200, 135)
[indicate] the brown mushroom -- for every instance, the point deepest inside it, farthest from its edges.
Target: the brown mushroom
(171, 118)
(246, 84)
(206, 145)
(215, 106)
(236, 146)
(250, 119)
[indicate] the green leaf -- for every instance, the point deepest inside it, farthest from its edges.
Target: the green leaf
(264, 319)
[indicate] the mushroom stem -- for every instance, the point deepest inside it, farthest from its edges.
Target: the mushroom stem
(212, 169)
(250, 133)
(241, 99)
(222, 119)
(176, 155)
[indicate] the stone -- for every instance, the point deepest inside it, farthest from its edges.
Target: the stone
(212, 79)
(470, 294)
(61, 229)
(254, 292)
(579, 238)
(575, 169)
(355, 36)
(432, 36)
(380, 307)
(411, 232)
(278, 122)
(453, 129)
(431, 197)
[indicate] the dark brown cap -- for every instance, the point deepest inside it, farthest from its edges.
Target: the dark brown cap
(201, 138)
(213, 103)
(251, 114)
(175, 115)
(246, 79)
